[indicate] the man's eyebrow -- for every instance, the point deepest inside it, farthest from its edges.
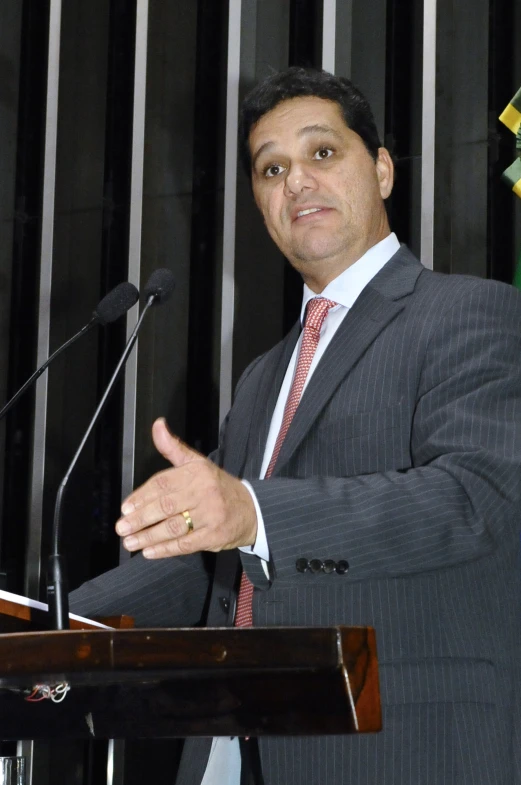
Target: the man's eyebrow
(307, 130)
(262, 149)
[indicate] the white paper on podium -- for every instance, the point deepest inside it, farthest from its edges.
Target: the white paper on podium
(42, 606)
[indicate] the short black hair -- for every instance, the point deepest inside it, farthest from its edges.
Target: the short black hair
(296, 82)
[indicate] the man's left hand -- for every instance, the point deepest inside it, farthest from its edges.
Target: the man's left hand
(220, 507)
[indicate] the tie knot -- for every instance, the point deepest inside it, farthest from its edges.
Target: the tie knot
(317, 311)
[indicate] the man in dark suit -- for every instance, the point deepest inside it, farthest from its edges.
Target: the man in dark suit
(379, 452)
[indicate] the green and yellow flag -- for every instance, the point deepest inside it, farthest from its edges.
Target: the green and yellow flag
(511, 117)
(512, 177)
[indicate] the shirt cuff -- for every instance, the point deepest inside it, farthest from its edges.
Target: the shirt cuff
(260, 546)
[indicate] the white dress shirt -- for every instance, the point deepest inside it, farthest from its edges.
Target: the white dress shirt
(224, 764)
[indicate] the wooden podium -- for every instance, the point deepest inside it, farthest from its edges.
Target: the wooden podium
(165, 683)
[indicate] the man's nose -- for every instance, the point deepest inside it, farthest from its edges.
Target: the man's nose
(298, 179)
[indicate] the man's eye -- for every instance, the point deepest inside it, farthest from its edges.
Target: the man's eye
(322, 153)
(273, 170)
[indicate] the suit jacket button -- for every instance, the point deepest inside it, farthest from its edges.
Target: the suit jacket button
(224, 602)
(329, 566)
(315, 565)
(302, 565)
(342, 567)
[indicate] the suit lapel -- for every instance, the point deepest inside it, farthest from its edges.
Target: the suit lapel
(274, 370)
(375, 308)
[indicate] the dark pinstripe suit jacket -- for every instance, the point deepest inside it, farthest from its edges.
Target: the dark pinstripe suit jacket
(404, 459)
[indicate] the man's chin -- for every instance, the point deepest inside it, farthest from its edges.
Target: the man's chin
(314, 254)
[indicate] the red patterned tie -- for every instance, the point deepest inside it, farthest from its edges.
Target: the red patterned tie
(317, 311)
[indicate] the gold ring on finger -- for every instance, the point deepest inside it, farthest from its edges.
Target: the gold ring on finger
(189, 522)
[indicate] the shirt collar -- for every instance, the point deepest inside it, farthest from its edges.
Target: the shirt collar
(346, 287)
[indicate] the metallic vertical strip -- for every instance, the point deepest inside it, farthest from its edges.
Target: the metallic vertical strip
(25, 749)
(428, 132)
(344, 38)
(34, 539)
(115, 762)
(36, 754)
(116, 747)
(36, 758)
(134, 245)
(230, 195)
(329, 36)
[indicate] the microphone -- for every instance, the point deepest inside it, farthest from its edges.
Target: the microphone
(116, 303)
(158, 289)
(159, 286)
(111, 307)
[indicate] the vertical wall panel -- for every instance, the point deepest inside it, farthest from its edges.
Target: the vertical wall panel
(403, 121)
(305, 33)
(10, 47)
(259, 265)
(24, 276)
(74, 379)
(343, 37)
(162, 383)
(461, 138)
(10, 32)
(118, 94)
(329, 36)
(502, 85)
(368, 54)
(469, 159)
(33, 567)
(428, 132)
(206, 241)
(414, 114)
(229, 219)
(134, 244)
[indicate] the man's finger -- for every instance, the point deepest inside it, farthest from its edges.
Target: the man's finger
(168, 529)
(188, 543)
(170, 447)
(154, 510)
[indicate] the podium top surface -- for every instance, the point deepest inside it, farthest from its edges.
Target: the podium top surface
(178, 682)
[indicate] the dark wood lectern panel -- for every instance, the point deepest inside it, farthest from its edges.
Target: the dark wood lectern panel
(194, 682)
(15, 617)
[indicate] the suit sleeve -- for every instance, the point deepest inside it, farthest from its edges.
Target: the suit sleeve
(463, 489)
(156, 593)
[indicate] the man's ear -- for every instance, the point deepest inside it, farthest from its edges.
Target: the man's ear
(385, 172)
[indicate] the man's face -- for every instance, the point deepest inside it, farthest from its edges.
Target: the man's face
(317, 187)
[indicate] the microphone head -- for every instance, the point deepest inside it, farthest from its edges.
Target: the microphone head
(160, 285)
(116, 302)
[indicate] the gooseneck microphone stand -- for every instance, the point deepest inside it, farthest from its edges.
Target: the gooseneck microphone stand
(36, 375)
(57, 587)
(116, 303)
